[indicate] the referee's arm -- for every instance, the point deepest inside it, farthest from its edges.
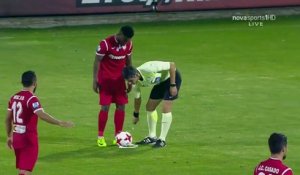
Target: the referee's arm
(137, 105)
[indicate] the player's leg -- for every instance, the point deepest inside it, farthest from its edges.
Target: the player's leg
(167, 117)
(119, 118)
(102, 119)
(18, 154)
(105, 99)
(121, 99)
(24, 172)
(27, 158)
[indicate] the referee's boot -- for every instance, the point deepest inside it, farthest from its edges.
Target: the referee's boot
(159, 144)
(147, 140)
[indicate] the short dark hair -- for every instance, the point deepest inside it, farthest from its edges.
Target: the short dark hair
(28, 78)
(129, 71)
(127, 31)
(277, 142)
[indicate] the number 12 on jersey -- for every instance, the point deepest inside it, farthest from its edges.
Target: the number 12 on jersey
(17, 110)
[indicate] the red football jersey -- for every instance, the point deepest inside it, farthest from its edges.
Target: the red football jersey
(24, 106)
(114, 58)
(272, 166)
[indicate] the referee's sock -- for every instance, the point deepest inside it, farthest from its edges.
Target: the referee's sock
(165, 125)
(152, 120)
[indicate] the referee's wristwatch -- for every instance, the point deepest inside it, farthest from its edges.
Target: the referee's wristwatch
(173, 85)
(136, 114)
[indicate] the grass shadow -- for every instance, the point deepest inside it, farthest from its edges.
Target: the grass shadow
(111, 152)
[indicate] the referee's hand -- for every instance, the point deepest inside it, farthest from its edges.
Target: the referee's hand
(173, 91)
(135, 120)
(129, 87)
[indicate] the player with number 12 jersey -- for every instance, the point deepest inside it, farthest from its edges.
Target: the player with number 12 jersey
(24, 105)
(24, 108)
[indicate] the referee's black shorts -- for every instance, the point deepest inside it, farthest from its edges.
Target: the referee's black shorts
(162, 90)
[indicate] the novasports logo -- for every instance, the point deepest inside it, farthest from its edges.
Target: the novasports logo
(87, 3)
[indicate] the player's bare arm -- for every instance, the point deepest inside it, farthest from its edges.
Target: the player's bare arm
(173, 88)
(137, 106)
(49, 119)
(8, 124)
(96, 86)
(128, 63)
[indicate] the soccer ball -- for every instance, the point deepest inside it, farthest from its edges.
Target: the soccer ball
(124, 139)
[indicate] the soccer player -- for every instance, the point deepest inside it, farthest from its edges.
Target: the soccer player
(166, 82)
(274, 165)
(24, 108)
(112, 55)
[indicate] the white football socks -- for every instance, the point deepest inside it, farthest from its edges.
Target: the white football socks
(152, 120)
(165, 125)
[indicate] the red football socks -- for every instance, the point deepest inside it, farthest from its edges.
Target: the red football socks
(102, 119)
(119, 120)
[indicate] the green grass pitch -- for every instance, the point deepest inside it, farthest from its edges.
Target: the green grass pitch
(240, 84)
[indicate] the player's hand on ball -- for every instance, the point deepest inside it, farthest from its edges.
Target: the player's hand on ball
(66, 124)
(135, 120)
(173, 91)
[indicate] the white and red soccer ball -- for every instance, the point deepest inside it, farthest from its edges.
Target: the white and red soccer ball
(124, 139)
